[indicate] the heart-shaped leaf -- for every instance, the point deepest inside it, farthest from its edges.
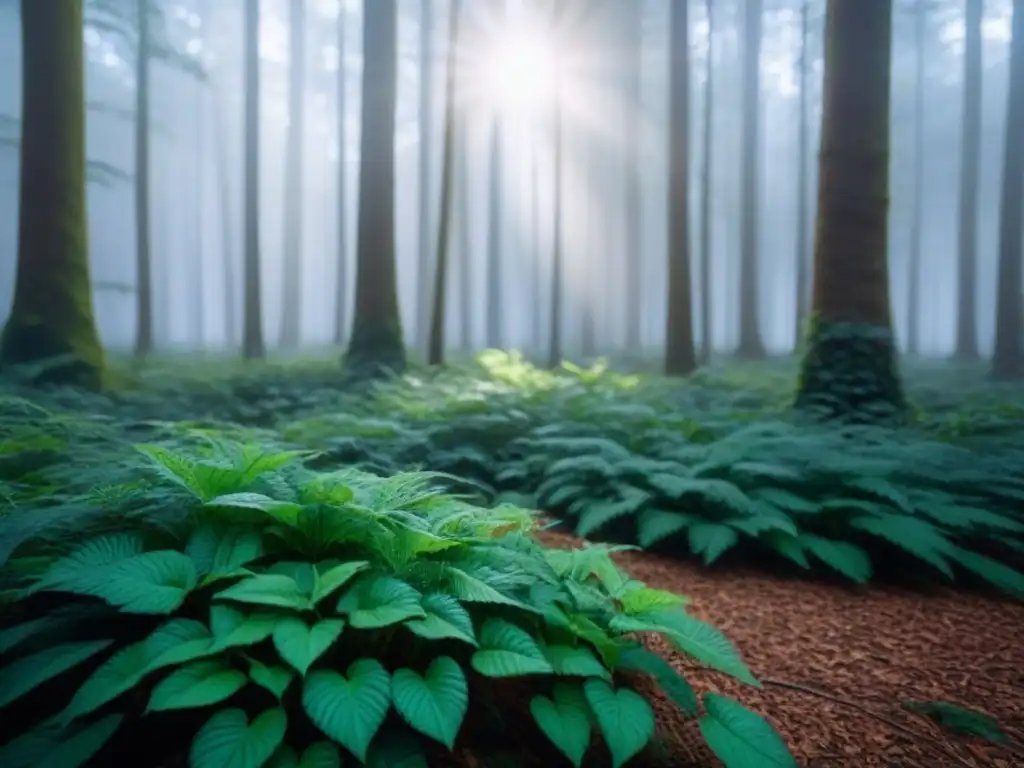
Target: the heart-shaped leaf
(300, 644)
(349, 708)
(228, 740)
(436, 703)
(625, 718)
(565, 720)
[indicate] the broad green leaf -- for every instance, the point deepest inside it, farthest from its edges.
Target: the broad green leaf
(396, 747)
(918, 537)
(81, 744)
(268, 589)
(446, 618)
(198, 684)
(642, 599)
(960, 720)
(786, 545)
(282, 511)
(321, 754)
(625, 719)
(177, 641)
(272, 678)
(654, 525)
(349, 708)
(639, 658)
(992, 571)
(741, 738)
(508, 651)
(849, 559)
(216, 550)
(565, 720)
(470, 589)
(333, 579)
(27, 673)
(435, 704)
(701, 641)
(300, 644)
(87, 562)
(153, 583)
(229, 740)
(711, 540)
(577, 661)
(233, 628)
(374, 602)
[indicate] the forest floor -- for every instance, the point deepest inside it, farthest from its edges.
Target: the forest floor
(857, 572)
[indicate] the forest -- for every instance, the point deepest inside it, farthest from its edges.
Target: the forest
(465, 383)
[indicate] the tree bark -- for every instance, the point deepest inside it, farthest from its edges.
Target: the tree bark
(252, 322)
(916, 223)
(143, 252)
(341, 280)
(291, 300)
(52, 314)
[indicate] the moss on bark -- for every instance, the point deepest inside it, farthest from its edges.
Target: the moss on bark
(52, 314)
(849, 373)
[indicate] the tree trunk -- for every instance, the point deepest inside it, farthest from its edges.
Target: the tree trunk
(376, 347)
(917, 216)
(494, 333)
(555, 333)
(227, 227)
(252, 324)
(707, 343)
(849, 369)
(750, 344)
(435, 348)
(970, 159)
(427, 241)
(52, 314)
(341, 280)
(680, 359)
(633, 30)
(803, 259)
(143, 253)
(465, 239)
(1008, 358)
(291, 279)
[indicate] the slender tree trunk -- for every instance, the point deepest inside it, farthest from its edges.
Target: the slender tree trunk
(916, 223)
(376, 346)
(291, 300)
(252, 325)
(1008, 357)
(199, 277)
(584, 208)
(495, 332)
(465, 239)
(707, 336)
(555, 334)
(426, 118)
(633, 30)
(435, 348)
(143, 254)
(536, 274)
(52, 314)
(849, 369)
(750, 343)
(679, 354)
(970, 160)
(227, 227)
(803, 256)
(341, 282)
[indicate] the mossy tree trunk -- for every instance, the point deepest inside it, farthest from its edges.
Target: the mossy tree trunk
(376, 346)
(680, 358)
(849, 370)
(1008, 357)
(252, 309)
(52, 314)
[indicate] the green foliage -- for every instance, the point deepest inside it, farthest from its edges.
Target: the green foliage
(958, 719)
(309, 617)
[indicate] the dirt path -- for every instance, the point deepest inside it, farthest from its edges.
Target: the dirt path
(864, 650)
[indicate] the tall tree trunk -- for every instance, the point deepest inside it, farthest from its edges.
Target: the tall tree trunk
(917, 216)
(633, 30)
(584, 209)
(557, 255)
(536, 249)
(199, 277)
(435, 348)
(750, 343)
(970, 160)
(52, 313)
(1008, 358)
(803, 257)
(227, 227)
(495, 332)
(707, 339)
(376, 346)
(143, 254)
(465, 238)
(849, 369)
(252, 324)
(679, 354)
(426, 118)
(341, 281)
(291, 300)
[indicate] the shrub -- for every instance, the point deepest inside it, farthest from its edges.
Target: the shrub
(279, 616)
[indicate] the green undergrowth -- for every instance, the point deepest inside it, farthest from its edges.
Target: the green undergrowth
(219, 604)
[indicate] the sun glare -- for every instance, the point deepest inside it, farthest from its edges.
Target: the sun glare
(519, 71)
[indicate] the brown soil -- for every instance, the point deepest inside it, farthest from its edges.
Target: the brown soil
(836, 662)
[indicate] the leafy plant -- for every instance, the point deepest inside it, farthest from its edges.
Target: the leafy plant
(273, 615)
